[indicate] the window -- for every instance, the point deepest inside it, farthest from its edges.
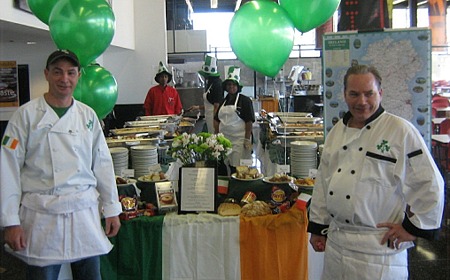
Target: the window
(217, 29)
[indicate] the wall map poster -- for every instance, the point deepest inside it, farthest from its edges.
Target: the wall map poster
(403, 58)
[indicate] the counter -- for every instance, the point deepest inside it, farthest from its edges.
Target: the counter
(208, 246)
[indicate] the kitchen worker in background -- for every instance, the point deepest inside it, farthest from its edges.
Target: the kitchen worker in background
(163, 99)
(213, 95)
(235, 118)
(377, 188)
(55, 169)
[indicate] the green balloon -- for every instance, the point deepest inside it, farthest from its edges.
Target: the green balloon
(42, 8)
(97, 88)
(309, 14)
(262, 36)
(85, 27)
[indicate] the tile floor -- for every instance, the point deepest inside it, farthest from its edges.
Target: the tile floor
(427, 260)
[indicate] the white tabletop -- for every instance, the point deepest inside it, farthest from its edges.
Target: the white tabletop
(444, 109)
(438, 120)
(441, 138)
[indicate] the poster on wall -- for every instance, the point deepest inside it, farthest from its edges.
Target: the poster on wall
(403, 58)
(9, 95)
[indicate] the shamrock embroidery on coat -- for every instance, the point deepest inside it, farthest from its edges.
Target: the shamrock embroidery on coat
(383, 146)
(90, 125)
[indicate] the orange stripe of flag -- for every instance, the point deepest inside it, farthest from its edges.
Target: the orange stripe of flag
(14, 144)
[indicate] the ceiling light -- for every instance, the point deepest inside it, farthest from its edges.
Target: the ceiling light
(214, 4)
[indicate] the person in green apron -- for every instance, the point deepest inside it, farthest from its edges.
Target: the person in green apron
(234, 119)
(213, 95)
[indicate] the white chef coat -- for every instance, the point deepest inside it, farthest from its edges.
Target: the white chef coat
(209, 111)
(57, 175)
(233, 128)
(368, 176)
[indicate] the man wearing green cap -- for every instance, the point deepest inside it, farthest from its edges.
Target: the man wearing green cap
(162, 99)
(56, 173)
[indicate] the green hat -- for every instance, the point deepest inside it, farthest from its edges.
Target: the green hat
(232, 74)
(163, 69)
(210, 67)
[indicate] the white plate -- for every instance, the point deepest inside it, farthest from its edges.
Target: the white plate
(129, 182)
(234, 176)
(141, 179)
(267, 180)
(305, 186)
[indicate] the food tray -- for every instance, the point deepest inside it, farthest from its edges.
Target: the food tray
(291, 114)
(135, 130)
(114, 142)
(143, 123)
(158, 117)
(298, 128)
(300, 120)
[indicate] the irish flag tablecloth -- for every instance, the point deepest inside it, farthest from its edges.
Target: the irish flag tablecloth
(208, 246)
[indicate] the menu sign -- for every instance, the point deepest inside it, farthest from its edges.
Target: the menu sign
(198, 191)
(9, 95)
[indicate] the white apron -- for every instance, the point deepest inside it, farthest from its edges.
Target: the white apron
(233, 127)
(209, 111)
(70, 219)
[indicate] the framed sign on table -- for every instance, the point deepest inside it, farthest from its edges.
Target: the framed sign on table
(197, 188)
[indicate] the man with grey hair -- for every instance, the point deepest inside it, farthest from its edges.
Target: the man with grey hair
(377, 188)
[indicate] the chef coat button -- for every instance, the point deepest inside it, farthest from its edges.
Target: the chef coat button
(353, 171)
(332, 215)
(368, 127)
(347, 196)
(360, 149)
(345, 147)
(331, 192)
(339, 170)
(347, 221)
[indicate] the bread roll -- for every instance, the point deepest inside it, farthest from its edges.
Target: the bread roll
(229, 209)
(257, 208)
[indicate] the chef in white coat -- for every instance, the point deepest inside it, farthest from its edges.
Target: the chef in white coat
(377, 188)
(56, 172)
(213, 95)
(235, 118)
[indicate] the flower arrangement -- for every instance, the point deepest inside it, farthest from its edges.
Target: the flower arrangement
(204, 146)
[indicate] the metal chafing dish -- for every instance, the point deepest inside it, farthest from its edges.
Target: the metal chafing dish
(142, 123)
(137, 130)
(290, 114)
(117, 141)
(286, 140)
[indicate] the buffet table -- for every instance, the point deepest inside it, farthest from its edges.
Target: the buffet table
(209, 246)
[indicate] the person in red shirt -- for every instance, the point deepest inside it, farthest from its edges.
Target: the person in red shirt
(162, 99)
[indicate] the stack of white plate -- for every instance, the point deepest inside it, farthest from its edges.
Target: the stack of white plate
(142, 157)
(120, 159)
(303, 158)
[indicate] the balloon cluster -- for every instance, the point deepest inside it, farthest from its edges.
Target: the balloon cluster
(86, 27)
(262, 32)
